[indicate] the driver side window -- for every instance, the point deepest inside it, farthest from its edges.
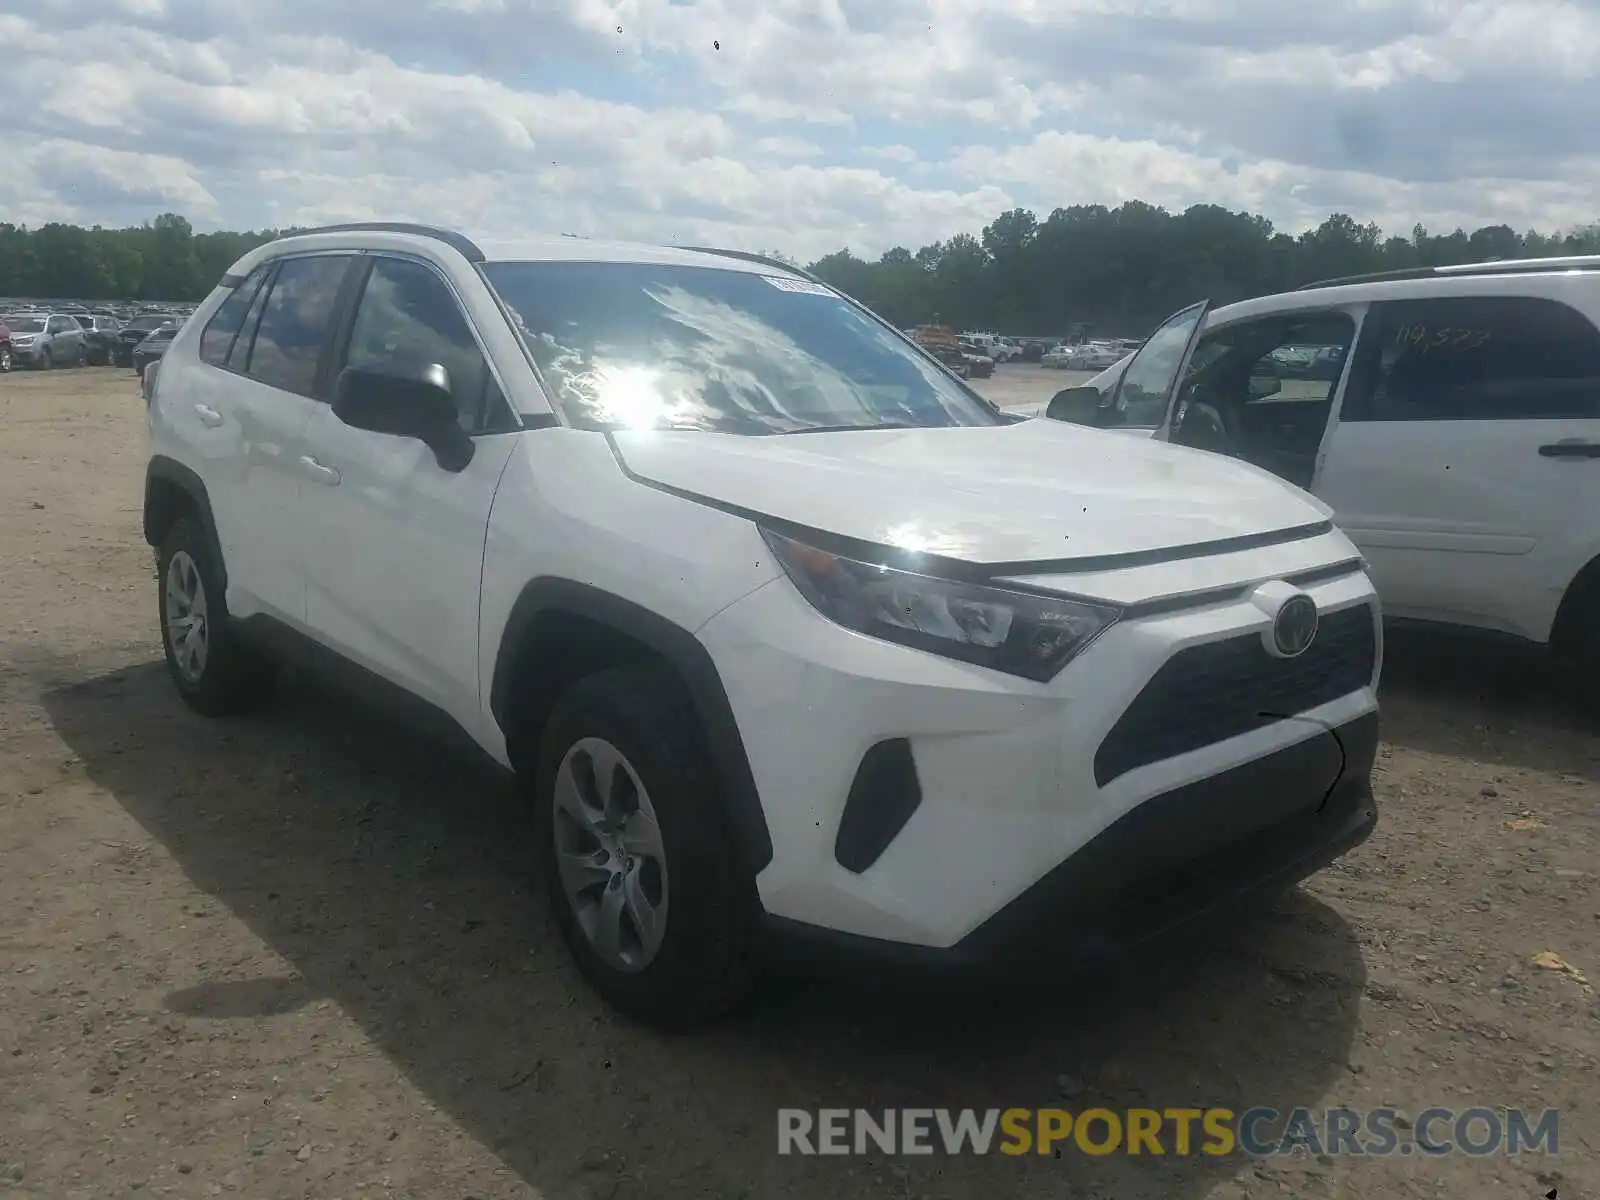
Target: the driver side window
(408, 314)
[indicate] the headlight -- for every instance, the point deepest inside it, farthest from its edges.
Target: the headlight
(1016, 632)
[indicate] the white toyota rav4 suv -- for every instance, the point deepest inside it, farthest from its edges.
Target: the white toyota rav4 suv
(796, 641)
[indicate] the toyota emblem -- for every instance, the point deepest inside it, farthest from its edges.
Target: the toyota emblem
(1294, 627)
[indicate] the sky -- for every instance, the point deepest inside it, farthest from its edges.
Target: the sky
(800, 126)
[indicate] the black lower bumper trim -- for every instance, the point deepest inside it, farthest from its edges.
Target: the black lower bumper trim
(1180, 858)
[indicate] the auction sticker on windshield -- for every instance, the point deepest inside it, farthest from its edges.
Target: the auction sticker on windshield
(799, 285)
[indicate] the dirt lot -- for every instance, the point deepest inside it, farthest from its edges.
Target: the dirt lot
(298, 956)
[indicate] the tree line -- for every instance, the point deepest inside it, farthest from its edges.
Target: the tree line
(1116, 271)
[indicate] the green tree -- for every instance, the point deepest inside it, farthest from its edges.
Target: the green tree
(1116, 271)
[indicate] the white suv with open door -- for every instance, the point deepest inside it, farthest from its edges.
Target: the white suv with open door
(1449, 417)
(793, 638)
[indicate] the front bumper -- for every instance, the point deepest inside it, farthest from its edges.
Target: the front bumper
(1192, 858)
(1014, 789)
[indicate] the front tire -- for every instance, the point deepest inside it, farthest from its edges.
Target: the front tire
(5, 360)
(214, 672)
(638, 862)
(41, 361)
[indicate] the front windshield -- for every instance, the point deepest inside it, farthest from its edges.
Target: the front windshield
(23, 324)
(731, 351)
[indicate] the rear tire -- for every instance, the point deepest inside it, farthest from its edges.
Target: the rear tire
(696, 963)
(1581, 648)
(215, 673)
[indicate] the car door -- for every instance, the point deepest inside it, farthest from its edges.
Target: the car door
(1143, 392)
(1465, 462)
(395, 540)
(264, 358)
(64, 344)
(1237, 398)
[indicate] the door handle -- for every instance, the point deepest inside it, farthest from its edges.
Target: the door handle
(1570, 448)
(319, 472)
(208, 415)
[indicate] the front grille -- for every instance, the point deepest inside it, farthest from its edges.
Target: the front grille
(1208, 693)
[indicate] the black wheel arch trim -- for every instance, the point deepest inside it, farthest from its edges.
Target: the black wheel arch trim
(169, 471)
(688, 656)
(1581, 595)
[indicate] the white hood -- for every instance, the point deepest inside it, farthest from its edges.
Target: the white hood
(1035, 491)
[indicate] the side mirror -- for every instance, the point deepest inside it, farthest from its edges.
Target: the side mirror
(1079, 405)
(1262, 386)
(405, 400)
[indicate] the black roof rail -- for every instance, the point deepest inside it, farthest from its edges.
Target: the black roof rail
(1371, 277)
(750, 256)
(1496, 266)
(459, 242)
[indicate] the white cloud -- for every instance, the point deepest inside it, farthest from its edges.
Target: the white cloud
(798, 125)
(787, 147)
(1088, 170)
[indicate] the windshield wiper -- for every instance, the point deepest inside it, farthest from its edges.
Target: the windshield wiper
(857, 425)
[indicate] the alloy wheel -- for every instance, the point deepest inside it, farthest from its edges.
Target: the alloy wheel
(610, 855)
(188, 629)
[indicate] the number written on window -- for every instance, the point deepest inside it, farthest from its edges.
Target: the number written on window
(1446, 339)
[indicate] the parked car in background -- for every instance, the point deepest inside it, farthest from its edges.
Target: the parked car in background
(46, 339)
(135, 331)
(1095, 356)
(1057, 358)
(151, 349)
(979, 364)
(100, 332)
(994, 346)
(1452, 429)
(1291, 362)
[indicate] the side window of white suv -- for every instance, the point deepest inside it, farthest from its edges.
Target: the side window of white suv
(295, 323)
(218, 337)
(407, 313)
(1476, 358)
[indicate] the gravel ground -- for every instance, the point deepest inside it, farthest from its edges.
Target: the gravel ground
(296, 956)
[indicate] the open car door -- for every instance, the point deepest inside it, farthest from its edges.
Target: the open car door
(1138, 399)
(1143, 397)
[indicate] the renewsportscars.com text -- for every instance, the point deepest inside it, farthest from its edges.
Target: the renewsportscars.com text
(1257, 1132)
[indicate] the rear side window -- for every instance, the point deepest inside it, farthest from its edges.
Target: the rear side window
(217, 337)
(1476, 358)
(296, 321)
(239, 355)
